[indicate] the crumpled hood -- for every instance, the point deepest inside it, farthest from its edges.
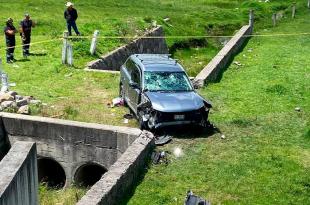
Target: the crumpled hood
(175, 102)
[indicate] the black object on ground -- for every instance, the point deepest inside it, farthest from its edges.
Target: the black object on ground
(192, 199)
(161, 140)
(159, 157)
(128, 116)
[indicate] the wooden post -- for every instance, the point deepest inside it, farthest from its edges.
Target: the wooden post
(94, 42)
(70, 55)
(64, 47)
(274, 19)
(251, 18)
(293, 10)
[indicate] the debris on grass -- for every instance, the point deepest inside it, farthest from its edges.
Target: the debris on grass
(162, 140)
(223, 136)
(159, 157)
(128, 116)
(116, 102)
(237, 63)
(192, 199)
(177, 152)
(298, 109)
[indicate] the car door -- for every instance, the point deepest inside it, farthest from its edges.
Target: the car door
(126, 70)
(134, 89)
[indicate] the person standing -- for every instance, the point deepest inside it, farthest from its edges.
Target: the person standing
(71, 15)
(9, 32)
(25, 33)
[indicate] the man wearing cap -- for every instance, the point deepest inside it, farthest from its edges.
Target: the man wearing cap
(25, 33)
(71, 15)
(9, 32)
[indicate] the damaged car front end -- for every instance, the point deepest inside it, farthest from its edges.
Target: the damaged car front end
(151, 116)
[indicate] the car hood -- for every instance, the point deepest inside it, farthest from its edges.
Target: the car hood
(175, 102)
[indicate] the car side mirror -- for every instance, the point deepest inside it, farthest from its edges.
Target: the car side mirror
(134, 85)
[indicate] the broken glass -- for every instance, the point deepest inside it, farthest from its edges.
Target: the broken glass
(166, 81)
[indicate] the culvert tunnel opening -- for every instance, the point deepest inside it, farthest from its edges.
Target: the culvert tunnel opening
(51, 173)
(88, 174)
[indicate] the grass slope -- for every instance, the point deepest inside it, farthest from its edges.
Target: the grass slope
(73, 94)
(265, 156)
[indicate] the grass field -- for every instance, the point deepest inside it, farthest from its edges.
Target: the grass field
(265, 157)
(73, 94)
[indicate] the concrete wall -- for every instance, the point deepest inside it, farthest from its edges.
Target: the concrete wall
(116, 58)
(18, 175)
(121, 177)
(72, 144)
(223, 58)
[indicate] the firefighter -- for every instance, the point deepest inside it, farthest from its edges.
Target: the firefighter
(9, 32)
(25, 33)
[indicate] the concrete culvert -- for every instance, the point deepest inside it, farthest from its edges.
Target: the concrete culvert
(88, 174)
(51, 173)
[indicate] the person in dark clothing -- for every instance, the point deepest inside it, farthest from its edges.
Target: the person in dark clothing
(71, 15)
(9, 32)
(25, 33)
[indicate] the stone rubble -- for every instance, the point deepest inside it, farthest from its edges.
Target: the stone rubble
(10, 101)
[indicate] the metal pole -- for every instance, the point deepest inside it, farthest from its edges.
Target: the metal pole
(70, 55)
(64, 47)
(308, 4)
(94, 42)
(5, 83)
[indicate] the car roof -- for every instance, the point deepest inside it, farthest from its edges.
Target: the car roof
(157, 62)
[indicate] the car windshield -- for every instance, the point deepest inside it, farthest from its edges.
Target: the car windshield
(166, 81)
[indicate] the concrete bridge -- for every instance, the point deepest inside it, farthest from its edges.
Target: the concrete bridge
(69, 152)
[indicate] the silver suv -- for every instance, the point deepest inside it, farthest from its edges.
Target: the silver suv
(157, 90)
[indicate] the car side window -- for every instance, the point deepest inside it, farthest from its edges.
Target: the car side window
(135, 75)
(130, 66)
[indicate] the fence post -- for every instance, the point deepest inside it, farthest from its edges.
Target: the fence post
(4, 80)
(293, 10)
(274, 19)
(251, 18)
(308, 4)
(70, 55)
(64, 47)
(94, 42)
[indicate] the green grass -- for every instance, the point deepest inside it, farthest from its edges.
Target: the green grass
(87, 94)
(60, 197)
(264, 158)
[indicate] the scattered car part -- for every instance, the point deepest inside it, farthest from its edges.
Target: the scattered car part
(192, 199)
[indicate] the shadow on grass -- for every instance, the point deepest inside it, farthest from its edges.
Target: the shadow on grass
(37, 54)
(125, 199)
(229, 62)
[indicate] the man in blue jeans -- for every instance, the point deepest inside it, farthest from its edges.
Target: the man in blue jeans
(71, 15)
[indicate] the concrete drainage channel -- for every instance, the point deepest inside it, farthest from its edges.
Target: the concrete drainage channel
(69, 152)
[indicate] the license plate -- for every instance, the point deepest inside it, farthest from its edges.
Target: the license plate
(179, 117)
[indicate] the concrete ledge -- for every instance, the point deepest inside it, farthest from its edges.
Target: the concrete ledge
(18, 175)
(102, 71)
(72, 144)
(114, 60)
(119, 180)
(221, 60)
